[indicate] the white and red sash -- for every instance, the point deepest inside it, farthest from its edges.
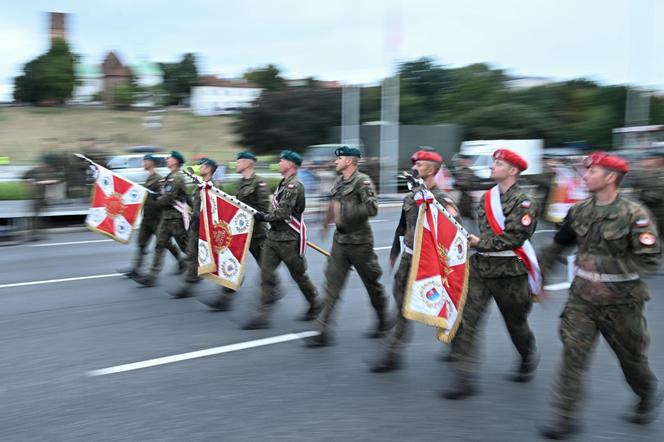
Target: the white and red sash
(496, 218)
(297, 225)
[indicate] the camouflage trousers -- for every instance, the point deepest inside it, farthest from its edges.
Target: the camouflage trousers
(191, 260)
(363, 258)
(168, 229)
(273, 254)
(401, 331)
(512, 295)
(624, 328)
(256, 250)
(147, 230)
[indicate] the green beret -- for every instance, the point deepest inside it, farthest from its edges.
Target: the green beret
(347, 151)
(291, 156)
(178, 156)
(149, 156)
(207, 161)
(246, 156)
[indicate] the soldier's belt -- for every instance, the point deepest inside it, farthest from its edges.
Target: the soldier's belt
(606, 277)
(503, 253)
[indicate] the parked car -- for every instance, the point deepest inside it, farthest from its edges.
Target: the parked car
(131, 166)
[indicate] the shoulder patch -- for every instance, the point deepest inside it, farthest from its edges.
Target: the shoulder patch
(290, 186)
(526, 204)
(526, 220)
(642, 222)
(367, 182)
(647, 239)
(262, 184)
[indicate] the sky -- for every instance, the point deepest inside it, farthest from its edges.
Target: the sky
(354, 41)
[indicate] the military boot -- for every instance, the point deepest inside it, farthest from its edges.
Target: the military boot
(183, 292)
(526, 369)
(146, 280)
(323, 339)
(257, 323)
(463, 386)
(382, 327)
(388, 362)
(222, 303)
(559, 428)
(647, 408)
(311, 313)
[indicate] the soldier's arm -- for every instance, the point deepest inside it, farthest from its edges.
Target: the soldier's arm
(286, 205)
(645, 243)
(367, 207)
(262, 196)
(398, 233)
(171, 190)
(564, 238)
(519, 226)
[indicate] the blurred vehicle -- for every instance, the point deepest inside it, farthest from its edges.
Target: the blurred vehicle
(480, 153)
(131, 166)
(639, 137)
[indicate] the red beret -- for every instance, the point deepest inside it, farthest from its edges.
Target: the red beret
(511, 157)
(607, 161)
(426, 155)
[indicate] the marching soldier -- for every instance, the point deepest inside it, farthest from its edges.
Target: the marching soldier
(354, 201)
(173, 200)
(617, 242)
(497, 272)
(39, 177)
(283, 243)
(207, 168)
(426, 165)
(151, 218)
(252, 190)
(650, 186)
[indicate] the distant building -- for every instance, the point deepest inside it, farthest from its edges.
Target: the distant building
(89, 83)
(57, 25)
(218, 96)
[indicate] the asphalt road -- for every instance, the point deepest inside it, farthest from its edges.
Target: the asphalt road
(59, 333)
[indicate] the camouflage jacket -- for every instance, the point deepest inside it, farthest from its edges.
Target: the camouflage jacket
(290, 201)
(617, 239)
(173, 188)
(408, 221)
(358, 201)
(650, 184)
(520, 211)
(152, 210)
(255, 192)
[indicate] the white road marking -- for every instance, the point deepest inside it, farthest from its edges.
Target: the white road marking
(377, 220)
(70, 243)
(382, 248)
(559, 286)
(202, 353)
(52, 281)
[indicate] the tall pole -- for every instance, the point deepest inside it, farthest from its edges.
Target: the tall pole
(350, 115)
(389, 135)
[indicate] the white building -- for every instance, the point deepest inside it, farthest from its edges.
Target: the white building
(217, 96)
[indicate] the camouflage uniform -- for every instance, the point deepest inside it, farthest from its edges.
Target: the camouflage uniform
(151, 217)
(466, 181)
(171, 226)
(650, 184)
(283, 245)
(37, 176)
(191, 273)
(616, 241)
(353, 246)
(407, 224)
(503, 278)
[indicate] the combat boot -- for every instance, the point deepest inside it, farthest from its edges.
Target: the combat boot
(382, 327)
(146, 280)
(257, 323)
(463, 386)
(311, 313)
(390, 361)
(559, 428)
(183, 292)
(526, 369)
(323, 339)
(221, 304)
(130, 273)
(647, 408)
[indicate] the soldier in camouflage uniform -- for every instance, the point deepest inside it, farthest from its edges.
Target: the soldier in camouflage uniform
(650, 185)
(465, 181)
(252, 190)
(283, 244)
(174, 201)
(496, 272)
(353, 202)
(38, 178)
(207, 168)
(151, 218)
(426, 165)
(617, 242)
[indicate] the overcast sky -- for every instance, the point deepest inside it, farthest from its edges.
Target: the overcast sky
(355, 41)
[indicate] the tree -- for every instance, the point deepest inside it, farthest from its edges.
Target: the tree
(123, 96)
(291, 119)
(179, 78)
(267, 78)
(48, 78)
(421, 84)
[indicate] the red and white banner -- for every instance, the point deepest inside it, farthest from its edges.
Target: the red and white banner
(116, 205)
(438, 278)
(298, 225)
(526, 253)
(568, 189)
(224, 236)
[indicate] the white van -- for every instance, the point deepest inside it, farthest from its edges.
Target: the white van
(481, 154)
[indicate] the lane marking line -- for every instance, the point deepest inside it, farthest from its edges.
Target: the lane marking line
(51, 281)
(382, 248)
(202, 353)
(70, 243)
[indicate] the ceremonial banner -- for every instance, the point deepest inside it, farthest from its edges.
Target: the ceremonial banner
(116, 205)
(568, 189)
(224, 235)
(438, 278)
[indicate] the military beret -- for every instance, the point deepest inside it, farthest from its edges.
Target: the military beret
(426, 155)
(178, 156)
(208, 162)
(511, 157)
(292, 157)
(603, 159)
(246, 155)
(149, 156)
(347, 151)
